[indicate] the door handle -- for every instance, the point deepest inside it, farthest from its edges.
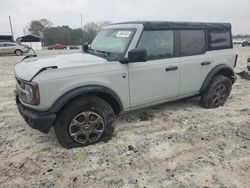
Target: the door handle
(205, 63)
(171, 68)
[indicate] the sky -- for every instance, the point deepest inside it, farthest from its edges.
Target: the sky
(67, 12)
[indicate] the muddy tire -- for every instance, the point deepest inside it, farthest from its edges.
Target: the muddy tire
(84, 121)
(217, 92)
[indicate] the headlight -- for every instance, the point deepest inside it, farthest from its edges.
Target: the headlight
(28, 92)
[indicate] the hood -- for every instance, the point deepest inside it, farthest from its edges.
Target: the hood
(29, 67)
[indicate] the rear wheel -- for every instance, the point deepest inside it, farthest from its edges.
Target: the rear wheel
(84, 121)
(18, 52)
(217, 92)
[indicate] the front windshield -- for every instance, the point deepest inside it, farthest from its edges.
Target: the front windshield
(112, 41)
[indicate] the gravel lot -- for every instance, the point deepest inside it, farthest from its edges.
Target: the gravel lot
(178, 144)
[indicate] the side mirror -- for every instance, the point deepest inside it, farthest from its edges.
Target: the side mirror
(85, 46)
(248, 60)
(137, 55)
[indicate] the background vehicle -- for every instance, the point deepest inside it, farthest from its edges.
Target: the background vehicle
(245, 43)
(237, 41)
(128, 66)
(13, 48)
(57, 47)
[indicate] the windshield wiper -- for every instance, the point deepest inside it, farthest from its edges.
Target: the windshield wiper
(107, 54)
(102, 53)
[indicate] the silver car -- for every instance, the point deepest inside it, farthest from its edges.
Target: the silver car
(13, 48)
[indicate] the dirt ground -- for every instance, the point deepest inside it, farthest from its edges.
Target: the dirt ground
(178, 144)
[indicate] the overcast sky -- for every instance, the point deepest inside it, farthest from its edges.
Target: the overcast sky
(67, 12)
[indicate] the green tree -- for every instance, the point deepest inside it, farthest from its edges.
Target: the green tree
(95, 27)
(37, 27)
(64, 34)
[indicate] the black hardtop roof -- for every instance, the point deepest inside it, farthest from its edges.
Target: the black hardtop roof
(29, 38)
(157, 25)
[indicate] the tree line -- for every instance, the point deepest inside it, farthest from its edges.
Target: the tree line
(64, 34)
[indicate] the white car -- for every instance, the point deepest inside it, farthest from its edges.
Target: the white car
(13, 48)
(128, 66)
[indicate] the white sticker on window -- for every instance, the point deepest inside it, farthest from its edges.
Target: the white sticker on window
(124, 34)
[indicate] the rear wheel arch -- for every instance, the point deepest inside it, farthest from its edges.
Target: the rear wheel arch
(93, 90)
(218, 70)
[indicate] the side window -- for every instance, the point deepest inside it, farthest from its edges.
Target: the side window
(193, 42)
(9, 44)
(159, 44)
(219, 40)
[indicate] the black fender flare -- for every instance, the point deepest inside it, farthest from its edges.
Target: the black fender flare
(228, 70)
(65, 98)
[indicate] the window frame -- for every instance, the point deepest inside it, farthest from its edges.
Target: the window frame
(210, 48)
(175, 42)
(179, 41)
(134, 30)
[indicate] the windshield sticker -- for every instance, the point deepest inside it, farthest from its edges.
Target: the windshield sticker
(123, 34)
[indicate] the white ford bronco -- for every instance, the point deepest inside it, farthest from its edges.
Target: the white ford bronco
(128, 66)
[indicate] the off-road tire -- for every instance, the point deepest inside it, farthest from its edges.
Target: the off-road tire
(71, 110)
(209, 97)
(18, 52)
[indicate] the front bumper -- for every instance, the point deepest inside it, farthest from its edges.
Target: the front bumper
(39, 120)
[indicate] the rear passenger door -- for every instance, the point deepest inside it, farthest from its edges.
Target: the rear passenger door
(157, 79)
(195, 62)
(9, 47)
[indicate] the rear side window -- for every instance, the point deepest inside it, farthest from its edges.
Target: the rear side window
(193, 42)
(9, 44)
(219, 40)
(159, 44)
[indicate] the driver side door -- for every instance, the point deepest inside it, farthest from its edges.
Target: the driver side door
(157, 79)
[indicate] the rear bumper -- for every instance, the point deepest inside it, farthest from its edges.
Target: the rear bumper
(25, 50)
(41, 121)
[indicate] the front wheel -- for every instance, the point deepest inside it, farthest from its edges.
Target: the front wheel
(217, 92)
(86, 120)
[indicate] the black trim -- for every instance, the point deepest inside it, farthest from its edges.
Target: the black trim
(61, 101)
(41, 121)
(43, 69)
(177, 52)
(28, 56)
(213, 72)
(157, 25)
